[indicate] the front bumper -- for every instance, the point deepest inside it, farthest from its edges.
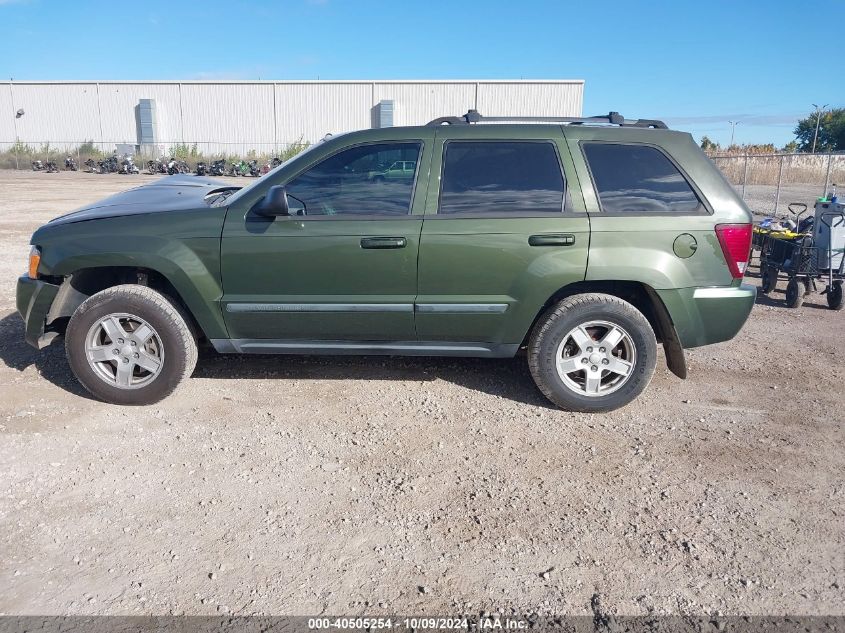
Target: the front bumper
(703, 316)
(34, 298)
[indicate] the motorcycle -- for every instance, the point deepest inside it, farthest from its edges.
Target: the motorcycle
(92, 166)
(157, 166)
(177, 167)
(127, 165)
(241, 168)
(254, 169)
(271, 165)
(202, 170)
(52, 168)
(218, 168)
(37, 165)
(70, 164)
(110, 165)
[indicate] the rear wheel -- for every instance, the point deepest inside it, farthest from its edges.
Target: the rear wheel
(592, 353)
(794, 294)
(834, 296)
(129, 345)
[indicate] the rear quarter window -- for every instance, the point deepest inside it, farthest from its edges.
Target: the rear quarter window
(639, 179)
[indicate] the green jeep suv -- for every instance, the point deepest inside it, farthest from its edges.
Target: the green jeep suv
(582, 242)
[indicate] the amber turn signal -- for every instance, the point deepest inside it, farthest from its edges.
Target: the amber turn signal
(34, 260)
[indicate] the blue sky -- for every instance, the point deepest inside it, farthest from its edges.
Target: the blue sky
(696, 64)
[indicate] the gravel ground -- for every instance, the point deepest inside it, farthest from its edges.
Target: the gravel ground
(290, 485)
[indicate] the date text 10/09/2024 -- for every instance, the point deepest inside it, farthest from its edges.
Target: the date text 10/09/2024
(417, 623)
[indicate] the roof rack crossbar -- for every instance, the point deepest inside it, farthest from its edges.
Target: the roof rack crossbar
(612, 118)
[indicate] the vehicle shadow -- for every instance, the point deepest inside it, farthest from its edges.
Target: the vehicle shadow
(502, 377)
(49, 362)
(507, 378)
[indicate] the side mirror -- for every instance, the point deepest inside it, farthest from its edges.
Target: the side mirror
(275, 202)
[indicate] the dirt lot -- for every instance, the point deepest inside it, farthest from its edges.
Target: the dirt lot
(289, 485)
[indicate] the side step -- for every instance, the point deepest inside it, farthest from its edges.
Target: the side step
(363, 348)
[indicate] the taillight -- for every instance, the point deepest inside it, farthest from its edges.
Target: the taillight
(735, 240)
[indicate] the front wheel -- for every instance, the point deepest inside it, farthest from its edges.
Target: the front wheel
(592, 353)
(794, 295)
(129, 345)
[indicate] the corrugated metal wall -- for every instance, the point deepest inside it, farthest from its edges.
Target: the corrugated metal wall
(235, 117)
(311, 110)
(118, 103)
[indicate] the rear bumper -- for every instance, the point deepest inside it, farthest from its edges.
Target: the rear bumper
(34, 298)
(703, 316)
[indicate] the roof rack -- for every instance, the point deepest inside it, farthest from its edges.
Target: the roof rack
(612, 118)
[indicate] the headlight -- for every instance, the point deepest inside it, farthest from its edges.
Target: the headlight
(34, 260)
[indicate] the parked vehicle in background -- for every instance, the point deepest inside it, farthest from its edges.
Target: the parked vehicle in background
(157, 166)
(70, 163)
(271, 165)
(201, 169)
(176, 166)
(110, 165)
(128, 166)
(51, 167)
(37, 165)
(218, 168)
(397, 170)
(92, 165)
(581, 242)
(239, 168)
(253, 168)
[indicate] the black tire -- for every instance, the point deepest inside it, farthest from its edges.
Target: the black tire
(554, 328)
(794, 294)
(834, 296)
(179, 349)
(769, 279)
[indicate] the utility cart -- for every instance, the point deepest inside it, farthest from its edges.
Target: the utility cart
(811, 253)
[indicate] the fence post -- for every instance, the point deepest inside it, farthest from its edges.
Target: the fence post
(827, 175)
(745, 177)
(780, 177)
(17, 164)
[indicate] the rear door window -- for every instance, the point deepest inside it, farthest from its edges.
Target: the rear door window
(632, 179)
(518, 177)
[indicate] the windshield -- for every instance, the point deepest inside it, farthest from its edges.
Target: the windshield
(238, 194)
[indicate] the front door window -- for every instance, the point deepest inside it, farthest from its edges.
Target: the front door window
(358, 181)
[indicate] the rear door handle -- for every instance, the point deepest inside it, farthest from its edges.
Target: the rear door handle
(552, 239)
(383, 242)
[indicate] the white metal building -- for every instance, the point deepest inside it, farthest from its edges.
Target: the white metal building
(236, 116)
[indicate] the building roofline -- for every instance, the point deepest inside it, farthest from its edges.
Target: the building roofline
(294, 81)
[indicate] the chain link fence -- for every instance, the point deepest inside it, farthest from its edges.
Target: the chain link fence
(772, 181)
(21, 154)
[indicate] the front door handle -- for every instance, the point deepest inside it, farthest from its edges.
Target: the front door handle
(552, 239)
(383, 242)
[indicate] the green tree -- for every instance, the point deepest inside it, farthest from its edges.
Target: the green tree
(790, 148)
(831, 131)
(709, 146)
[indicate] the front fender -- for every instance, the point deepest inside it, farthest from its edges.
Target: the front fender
(190, 263)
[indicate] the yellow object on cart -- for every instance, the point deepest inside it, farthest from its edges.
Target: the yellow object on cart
(781, 234)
